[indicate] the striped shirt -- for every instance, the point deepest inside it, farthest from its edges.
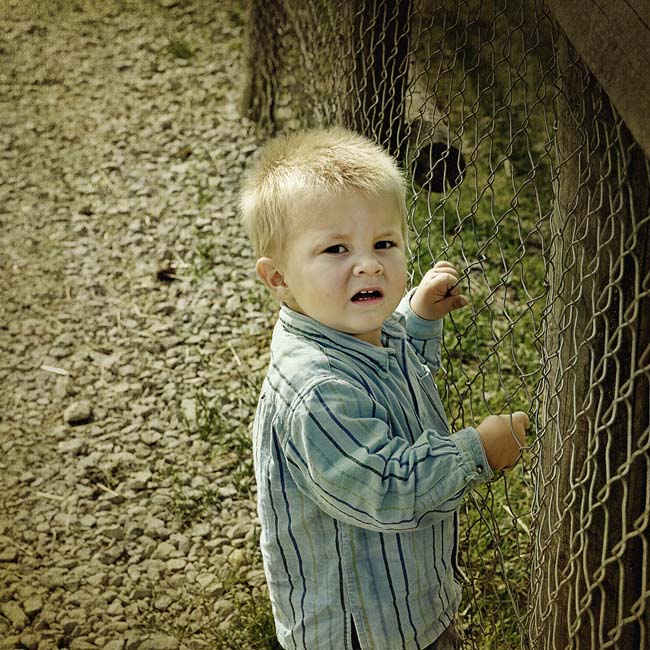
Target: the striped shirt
(359, 482)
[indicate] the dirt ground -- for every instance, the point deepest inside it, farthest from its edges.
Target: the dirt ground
(130, 326)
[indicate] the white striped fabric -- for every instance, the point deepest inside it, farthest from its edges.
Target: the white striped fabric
(359, 481)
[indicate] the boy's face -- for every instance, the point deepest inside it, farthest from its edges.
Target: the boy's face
(345, 264)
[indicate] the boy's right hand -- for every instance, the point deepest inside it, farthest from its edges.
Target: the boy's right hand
(503, 436)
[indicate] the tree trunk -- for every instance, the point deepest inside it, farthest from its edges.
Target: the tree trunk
(266, 20)
(381, 34)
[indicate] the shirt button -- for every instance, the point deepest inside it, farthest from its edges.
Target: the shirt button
(479, 469)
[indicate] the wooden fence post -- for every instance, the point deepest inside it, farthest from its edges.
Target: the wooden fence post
(590, 578)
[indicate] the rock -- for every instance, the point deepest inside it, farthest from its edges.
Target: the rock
(150, 437)
(201, 530)
(182, 542)
(237, 531)
(227, 491)
(134, 573)
(64, 387)
(29, 640)
(115, 608)
(160, 642)
(223, 608)
(87, 521)
(73, 446)
(112, 554)
(91, 461)
(176, 564)
(133, 641)
(98, 579)
(115, 644)
(163, 551)
(8, 554)
(141, 592)
(82, 644)
(53, 578)
(256, 577)
(237, 558)
(134, 529)
(162, 603)
(32, 606)
(155, 528)
(113, 532)
(139, 480)
(188, 407)
(78, 412)
(14, 612)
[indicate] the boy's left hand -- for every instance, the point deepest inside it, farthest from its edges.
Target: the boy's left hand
(437, 294)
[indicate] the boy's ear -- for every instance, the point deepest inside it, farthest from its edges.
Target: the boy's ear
(269, 273)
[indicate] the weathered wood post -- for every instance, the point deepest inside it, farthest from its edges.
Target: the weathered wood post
(590, 576)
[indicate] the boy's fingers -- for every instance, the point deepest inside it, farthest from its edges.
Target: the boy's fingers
(460, 301)
(445, 267)
(525, 420)
(449, 279)
(453, 302)
(437, 271)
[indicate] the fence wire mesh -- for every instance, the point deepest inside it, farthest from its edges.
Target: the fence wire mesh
(523, 174)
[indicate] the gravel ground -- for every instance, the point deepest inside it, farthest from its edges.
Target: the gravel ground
(132, 330)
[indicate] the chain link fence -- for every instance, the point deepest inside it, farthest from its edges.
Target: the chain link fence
(523, 174)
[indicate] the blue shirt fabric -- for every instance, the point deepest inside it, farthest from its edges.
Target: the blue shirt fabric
(359, 481)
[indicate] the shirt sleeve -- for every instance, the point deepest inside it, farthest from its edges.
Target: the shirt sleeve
(424, 335)
(342, 454)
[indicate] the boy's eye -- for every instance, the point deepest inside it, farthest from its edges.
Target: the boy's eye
(384, 243)
(335, 249)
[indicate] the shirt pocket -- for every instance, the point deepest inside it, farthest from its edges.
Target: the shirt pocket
(430, 398)
(422, 370)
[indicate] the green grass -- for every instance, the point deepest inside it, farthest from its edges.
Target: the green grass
(251, 629)
(179, 49)
(491, 362)
(191, 505)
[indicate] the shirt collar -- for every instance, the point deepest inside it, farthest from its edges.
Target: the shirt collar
(313, 330)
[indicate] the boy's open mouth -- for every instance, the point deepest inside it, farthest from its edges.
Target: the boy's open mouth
(366, 295)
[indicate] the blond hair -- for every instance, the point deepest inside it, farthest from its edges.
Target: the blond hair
(294, 167)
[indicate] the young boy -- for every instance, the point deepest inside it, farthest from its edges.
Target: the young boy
(359, 478)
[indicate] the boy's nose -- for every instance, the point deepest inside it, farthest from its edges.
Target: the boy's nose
(368, 265)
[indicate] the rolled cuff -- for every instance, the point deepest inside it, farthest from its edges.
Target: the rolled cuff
(416, 326)
(469, 443)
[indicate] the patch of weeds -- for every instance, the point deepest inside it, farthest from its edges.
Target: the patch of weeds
(203, 193)
(179, 49)
(205, 254)
(252, 628)
(191, 505)
(236, 17)
(226, 426)
(210, 423)
(240, 443)
(168, 621)
(108, 477)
